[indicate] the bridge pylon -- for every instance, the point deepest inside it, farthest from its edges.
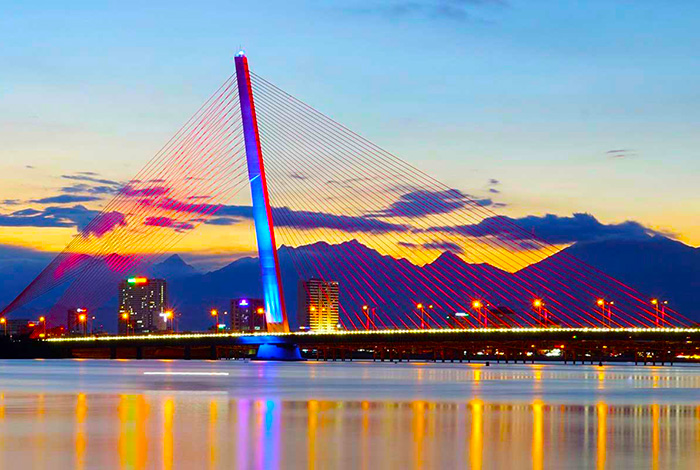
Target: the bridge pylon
(275, 312)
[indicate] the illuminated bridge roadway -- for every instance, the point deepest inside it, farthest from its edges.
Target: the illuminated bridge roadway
(594, 345)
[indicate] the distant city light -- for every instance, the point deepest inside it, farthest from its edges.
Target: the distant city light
(243, 303)
(448, 331)
(137, 280)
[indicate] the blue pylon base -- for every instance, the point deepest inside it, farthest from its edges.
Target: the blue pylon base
(278, 352)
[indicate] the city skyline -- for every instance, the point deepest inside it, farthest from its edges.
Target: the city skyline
(580, 142)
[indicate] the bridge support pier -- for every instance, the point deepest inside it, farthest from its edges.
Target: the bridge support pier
(278, 352)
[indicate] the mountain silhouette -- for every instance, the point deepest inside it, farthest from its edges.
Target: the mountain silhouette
(657, 266)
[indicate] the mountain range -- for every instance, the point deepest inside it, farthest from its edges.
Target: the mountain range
(657, 266)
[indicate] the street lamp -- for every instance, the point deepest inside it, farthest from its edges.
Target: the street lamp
(663, 310)
(538, 305)
(607, 314)
(3, 320)
(215, 313)
(421, 309)
(125, 318)
(42, 320)
(168, 315)
(477, 305)
(365, 311)
(82, 318)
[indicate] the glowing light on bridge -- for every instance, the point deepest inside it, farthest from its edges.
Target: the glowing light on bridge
(407, 332)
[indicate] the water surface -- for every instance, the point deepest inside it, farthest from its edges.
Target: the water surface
(128, 415)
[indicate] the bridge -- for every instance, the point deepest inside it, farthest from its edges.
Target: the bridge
(424, 268)
(575, 345)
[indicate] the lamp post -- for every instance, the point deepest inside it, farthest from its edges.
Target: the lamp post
(478, 305)
(601, 303)
(170, 315)
(607, 312)
(215, 313)
(125, 319)
(42, 320)
(365, 311)
(538, 305)
(4, 324)
(663, 310)
(421, 309)
(82, 318)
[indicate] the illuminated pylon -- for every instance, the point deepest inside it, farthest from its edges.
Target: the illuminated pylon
(275, 312)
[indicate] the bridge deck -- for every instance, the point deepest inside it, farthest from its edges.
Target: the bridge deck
(654, 344)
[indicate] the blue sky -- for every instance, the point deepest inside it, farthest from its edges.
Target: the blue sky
(572, 106)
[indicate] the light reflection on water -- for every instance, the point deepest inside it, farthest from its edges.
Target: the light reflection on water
(460, 420)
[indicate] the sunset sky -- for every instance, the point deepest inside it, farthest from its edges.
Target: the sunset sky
(545, 107)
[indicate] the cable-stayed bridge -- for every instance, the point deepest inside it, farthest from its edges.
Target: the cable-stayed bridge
(409, 252)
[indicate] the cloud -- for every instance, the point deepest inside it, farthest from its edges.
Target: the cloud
(621, 153)
(433, 245)
(150, 191)
(223, 221)
(494, 182)
(286, 217)
(168, 222)
(186, 207)
(104, 223)
(297, 176)
(551, 228)
(29, 167)
(83, 188)
(65, 199)
(350, 224)
(422, 202)
(53, 216)
(453, 10)
(90, 176)
(443, 246)
(10, 202)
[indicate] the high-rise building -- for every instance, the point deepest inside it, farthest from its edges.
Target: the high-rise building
(18, 326)
(248, 315)
(142, 305)
(318, 304)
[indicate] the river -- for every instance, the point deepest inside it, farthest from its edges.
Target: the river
(130, 414)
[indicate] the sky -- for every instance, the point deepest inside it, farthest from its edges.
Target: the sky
(546, 107)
